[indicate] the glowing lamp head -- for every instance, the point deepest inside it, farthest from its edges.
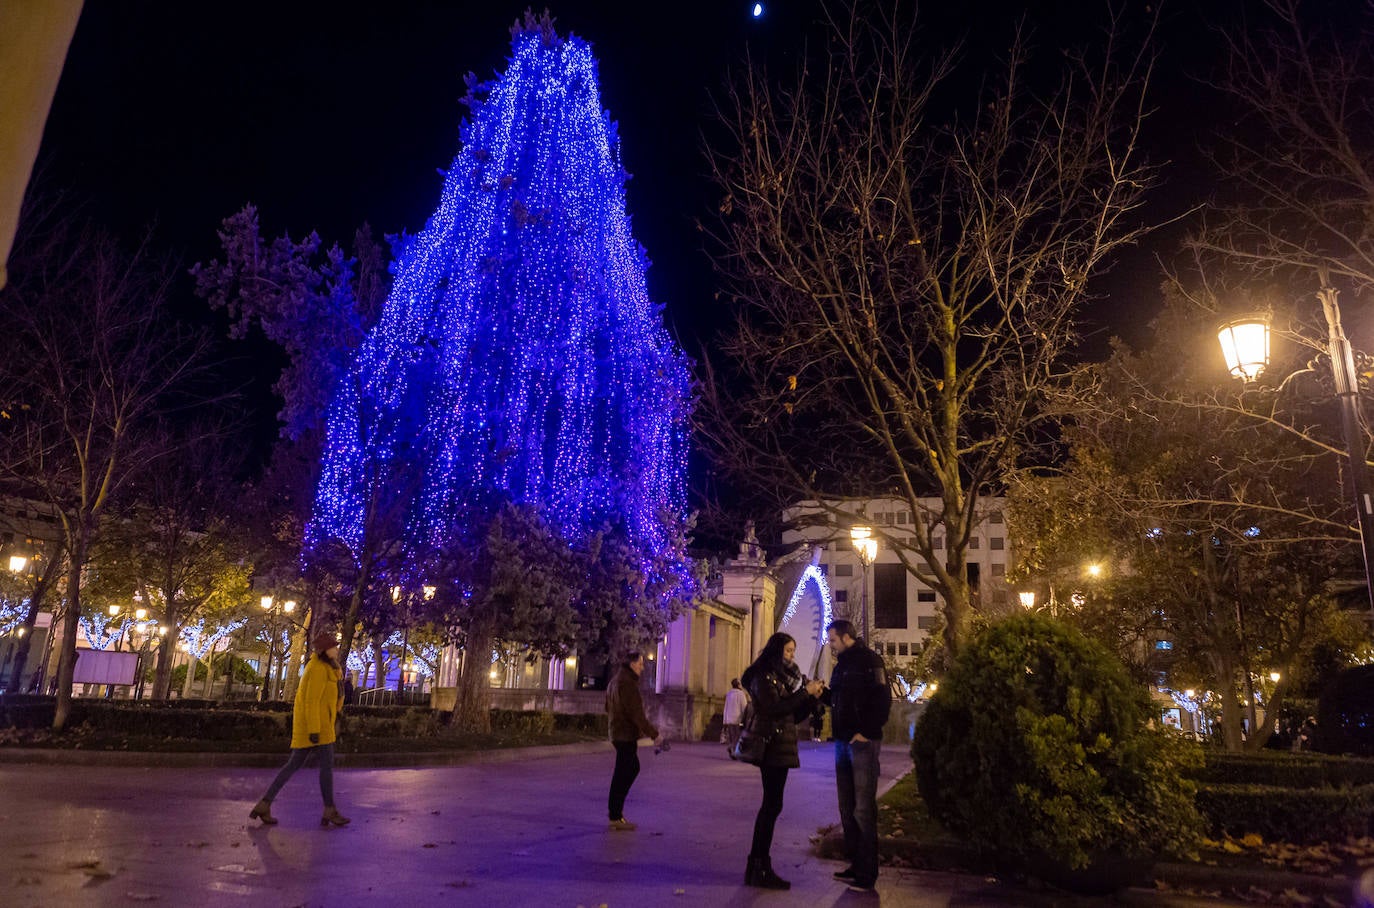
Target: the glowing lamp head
(140, 613)
(1093, 570)
(113, 610)
(265, 601)
(757, 11)
(864, 544)
(429, 592)
(1274, 676)
(18, 563)
(1189, 693)
(289, 605)
(1245, 345)
(1027, 599)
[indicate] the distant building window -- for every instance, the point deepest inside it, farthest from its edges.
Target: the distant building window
(844, 570)
(996, 543)
(938, 542)
(925, 622)
(1164, 644)
(885, 519)
(995, 517)
(892, 649)
(925, 596)
(889, 595)
(903, 649)
(904, 518)
(974, 542)
(841, 595)
(999, 597)
(999, 570)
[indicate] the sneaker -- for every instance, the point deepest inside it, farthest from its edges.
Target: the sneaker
(623, 825)
(845, 876)
(862, 886)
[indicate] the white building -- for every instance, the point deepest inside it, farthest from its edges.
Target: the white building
(902, 610)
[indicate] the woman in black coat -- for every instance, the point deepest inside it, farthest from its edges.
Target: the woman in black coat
(780, 697)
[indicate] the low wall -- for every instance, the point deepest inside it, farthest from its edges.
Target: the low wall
(680, 715)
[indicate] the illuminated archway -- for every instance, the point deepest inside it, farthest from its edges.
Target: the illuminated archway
(805, 618)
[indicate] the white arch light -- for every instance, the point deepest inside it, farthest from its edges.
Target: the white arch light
(812, 572)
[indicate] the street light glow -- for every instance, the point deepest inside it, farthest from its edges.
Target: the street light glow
(1027, 599)
(1245, 344)
(114, 610)
(140, 614)
(1094, 569)
(18, 563)
(1274, 676)
(289, 605)
(864, 544)
(266, 601)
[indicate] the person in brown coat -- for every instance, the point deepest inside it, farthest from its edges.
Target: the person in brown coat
(628, 724)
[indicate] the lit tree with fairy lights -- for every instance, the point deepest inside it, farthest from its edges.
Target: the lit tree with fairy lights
(519, 363)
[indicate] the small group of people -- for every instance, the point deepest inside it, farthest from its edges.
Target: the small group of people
(858, 697)
(860, 701)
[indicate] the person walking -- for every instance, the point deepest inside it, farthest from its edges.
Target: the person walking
(628, 724)
(319, 698)
(781, 697)
(734, 712)
(860, 702)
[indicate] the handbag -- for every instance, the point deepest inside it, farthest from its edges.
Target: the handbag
(752, 743)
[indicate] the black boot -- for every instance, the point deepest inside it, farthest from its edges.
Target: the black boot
(759, 873)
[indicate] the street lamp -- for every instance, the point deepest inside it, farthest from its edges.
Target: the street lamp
(1093, 570)
(1245, 344)
(18, 563)
(866, 547)
(1027, 599)
(1274, 677)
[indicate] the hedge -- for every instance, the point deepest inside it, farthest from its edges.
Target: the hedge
(1301, 816)
(1303, 771)
(201, 720)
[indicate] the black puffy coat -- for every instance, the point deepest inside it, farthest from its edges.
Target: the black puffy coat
(777, 710)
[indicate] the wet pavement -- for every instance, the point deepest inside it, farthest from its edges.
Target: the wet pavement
(523, 833)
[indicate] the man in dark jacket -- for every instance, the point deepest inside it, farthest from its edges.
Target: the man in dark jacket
(860, 700)
(628, 724)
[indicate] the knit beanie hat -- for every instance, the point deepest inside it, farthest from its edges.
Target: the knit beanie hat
(323, 642)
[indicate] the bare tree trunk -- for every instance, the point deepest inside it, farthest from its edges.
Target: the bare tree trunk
(472, 709)
(293, 669)
(66, 665)
(192, 662)
(162, 680)
(355, 604)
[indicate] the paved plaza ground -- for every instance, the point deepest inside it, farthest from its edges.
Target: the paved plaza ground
(531, 832)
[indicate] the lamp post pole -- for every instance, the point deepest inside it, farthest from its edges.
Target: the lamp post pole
(1347, 394)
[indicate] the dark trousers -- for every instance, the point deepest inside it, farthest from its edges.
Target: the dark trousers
(626, 769)
(774, 782)
(298, 757)
(856, 778)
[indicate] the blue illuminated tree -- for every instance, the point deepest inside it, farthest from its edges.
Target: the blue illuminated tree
(518, 358)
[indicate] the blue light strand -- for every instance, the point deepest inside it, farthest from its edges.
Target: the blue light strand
(518, 352)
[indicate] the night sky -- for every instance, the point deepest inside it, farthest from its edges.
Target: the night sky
(330, 114)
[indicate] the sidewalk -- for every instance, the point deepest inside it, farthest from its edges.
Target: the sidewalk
(521, 833)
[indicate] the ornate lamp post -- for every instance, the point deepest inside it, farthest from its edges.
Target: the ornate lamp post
(1245, 345)
(866, 547)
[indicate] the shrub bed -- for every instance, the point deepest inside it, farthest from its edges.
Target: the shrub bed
(1036, 748)
(1285, 770)
(178, 725)
(1302, 816)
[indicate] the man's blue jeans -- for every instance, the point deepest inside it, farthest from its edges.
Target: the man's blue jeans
(856, 777)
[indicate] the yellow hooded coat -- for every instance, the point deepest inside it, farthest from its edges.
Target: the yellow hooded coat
(318, 701)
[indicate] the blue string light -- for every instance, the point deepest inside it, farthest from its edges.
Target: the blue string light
(518, 354)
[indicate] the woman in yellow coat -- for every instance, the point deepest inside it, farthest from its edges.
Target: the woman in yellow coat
(318, 701)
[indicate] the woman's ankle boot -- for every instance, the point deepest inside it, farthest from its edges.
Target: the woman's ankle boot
(263, 811)
(759, 873)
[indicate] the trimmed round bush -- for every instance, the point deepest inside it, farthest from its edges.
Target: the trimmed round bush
(1037, 747)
